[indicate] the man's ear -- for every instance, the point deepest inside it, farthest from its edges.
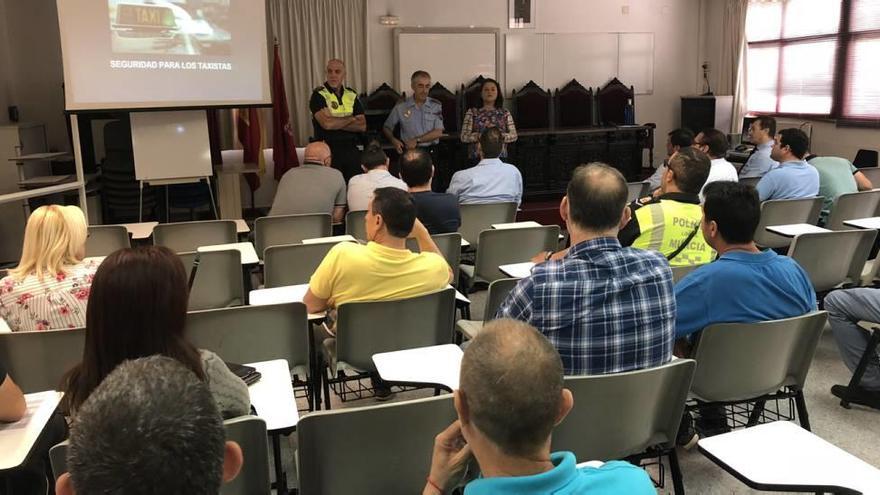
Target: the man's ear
(63, 485)
(563, 209)
(626, 216)
(432, 171)
(232, 461)
(461, 407)
(566, 402)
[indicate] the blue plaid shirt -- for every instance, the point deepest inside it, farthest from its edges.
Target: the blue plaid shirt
(606, 309)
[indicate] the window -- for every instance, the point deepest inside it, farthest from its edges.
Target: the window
(814, 57)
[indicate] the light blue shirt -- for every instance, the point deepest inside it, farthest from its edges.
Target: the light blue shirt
(760, 162)
(790, 180)
(490, 181)
(614, 477)
(416, 120)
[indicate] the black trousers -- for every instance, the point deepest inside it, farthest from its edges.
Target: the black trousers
(346, 158)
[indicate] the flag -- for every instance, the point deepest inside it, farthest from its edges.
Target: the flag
(283, 147)
(251, 139)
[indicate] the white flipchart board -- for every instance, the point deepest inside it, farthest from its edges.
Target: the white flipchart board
(169, 146)
(453, 56)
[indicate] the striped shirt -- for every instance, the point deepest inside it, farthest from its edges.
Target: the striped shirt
(606, 309)
(50, 303)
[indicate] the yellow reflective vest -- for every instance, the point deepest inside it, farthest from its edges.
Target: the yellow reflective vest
(666, 224)
(344, 108)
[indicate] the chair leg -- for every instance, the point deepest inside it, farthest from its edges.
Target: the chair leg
(756, 413)
(326, 380)
(803, 416)
(866, 359)
(677, 480)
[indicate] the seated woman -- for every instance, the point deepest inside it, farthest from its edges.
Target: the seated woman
(50, 287)
(491, 114)
(138, 309)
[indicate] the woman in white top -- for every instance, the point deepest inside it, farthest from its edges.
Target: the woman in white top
(50, 287)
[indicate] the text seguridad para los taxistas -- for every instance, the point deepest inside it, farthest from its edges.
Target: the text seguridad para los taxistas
(169, 64)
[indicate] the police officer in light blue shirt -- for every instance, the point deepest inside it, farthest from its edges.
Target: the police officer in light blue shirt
(420, 117)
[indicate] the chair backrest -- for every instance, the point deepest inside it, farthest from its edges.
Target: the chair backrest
(471, 95)
(476, 218)
(783, 212)
(505, 246)
(189, 236)
(622, 414)
(404, 430)
(531, 107)
(354, 224)
(873, 175)
(612, 100)
(367, 328)
(105, 239)
(449, 103)
(866, 159)
(739, 361)
(832, 258)
(849, 206)
(219, 281)
(250, 334)
(38, 360)
(498, 291)
(636, 190)
(449, 246)
(678, 272)
(292, 264)
(750, 181)
(249, 432)
(289, 229)
(573, 105)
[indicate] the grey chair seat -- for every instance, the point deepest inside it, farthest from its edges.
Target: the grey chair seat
(498, 291)
(469, 328)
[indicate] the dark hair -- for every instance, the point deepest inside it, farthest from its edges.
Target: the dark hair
(716, 141)
(796, 140)
(597, 195)
(150, 427)
(681, 137)
(515, 406)
(767, 122)
(373, 156)
(491, 142)
(419, 73)
(499, 102)
(415, 167)
(691, 168)
(137, 307)
(735, 208)
(397, 209)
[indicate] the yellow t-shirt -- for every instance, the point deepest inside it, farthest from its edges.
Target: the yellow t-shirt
(353, 272)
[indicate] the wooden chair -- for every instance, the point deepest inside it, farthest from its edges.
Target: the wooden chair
(449, 101)
(573, 105)
(611, 100)
(471, 96)
(531, 107)
(377, 106)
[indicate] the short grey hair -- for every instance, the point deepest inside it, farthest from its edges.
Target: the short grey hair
(151, 426)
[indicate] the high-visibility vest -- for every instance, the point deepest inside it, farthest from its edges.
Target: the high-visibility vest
(665, 225)
(338, 108)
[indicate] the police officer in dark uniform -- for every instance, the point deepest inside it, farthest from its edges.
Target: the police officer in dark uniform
(338, 119)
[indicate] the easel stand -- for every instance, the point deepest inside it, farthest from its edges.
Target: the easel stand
(168, 182)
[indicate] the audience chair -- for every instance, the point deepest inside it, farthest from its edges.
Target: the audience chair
(849, 206)
(869, 355)
(250, 334)
(293, 264)
(289, 229)
(58, 459)
(354, 224)
(184, 237)
(38, 360)
(392, 453)
(873, 175)
(367, 328)
(498, 291)
(505, 246)
(218, 281)
(637, 190)
(750, 181)
(606, 424)
(476, 218)
(449, 246)
(751, 363)
(783, 212)
(679, 272)
(833, 258)
(105, 239)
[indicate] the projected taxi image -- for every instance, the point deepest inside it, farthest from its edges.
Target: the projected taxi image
(177, 27)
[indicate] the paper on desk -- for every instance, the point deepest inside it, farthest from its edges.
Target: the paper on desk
(16, 439)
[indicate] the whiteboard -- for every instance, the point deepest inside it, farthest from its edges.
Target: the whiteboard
(554, 59)
(170, 145)
(471, 52)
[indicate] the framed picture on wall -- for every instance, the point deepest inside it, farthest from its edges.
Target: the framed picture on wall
(521, 14)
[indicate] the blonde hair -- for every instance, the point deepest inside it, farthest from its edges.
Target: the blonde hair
(55, 237)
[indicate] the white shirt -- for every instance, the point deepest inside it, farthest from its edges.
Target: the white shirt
(720, 170)
(360, 187)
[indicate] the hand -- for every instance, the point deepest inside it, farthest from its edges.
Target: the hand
(418, 230)
(411, 144)
(450, 457)
(541, 257)
(398, 145)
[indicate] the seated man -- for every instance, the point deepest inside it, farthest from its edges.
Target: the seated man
(511, 444)
(437, 211)
(313, 187)
(374, 162)
(845, 309)
(761, 132)
(793, 178)
(605, 308)
(714, 143)
(836, 176)
(150, 427)
(675, 141)
(491, 180)
(670, 223)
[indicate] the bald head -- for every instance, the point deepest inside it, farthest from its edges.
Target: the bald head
(511, 380)
(335, 72)
(318, 153)
(596, 196)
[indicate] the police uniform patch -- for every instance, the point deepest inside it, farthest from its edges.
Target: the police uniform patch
(334, 105)
(407, 113)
